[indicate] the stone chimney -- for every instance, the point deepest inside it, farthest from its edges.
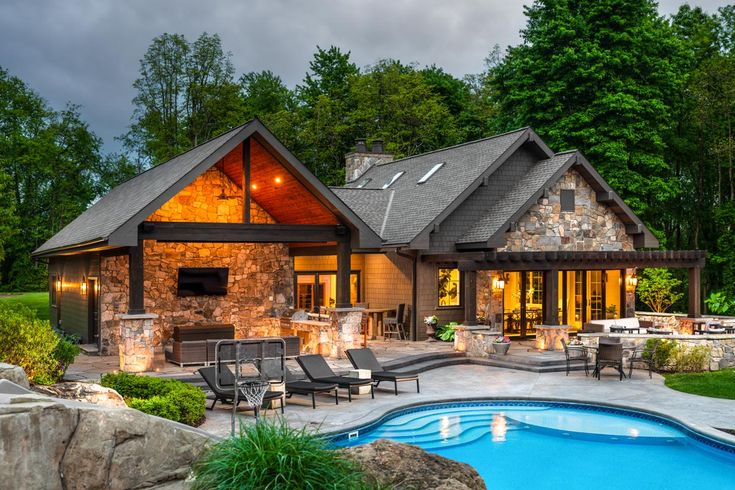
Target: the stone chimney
(359, 161)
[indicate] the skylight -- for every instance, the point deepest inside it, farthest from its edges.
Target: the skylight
(395, 177)
(431, 172)
(363, 183)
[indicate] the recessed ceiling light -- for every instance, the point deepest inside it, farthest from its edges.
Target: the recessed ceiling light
(278, 180)
(254, 186)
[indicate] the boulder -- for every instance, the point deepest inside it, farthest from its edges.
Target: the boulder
(399, 465)
(84, 392)
(50, 443)
(16, 374)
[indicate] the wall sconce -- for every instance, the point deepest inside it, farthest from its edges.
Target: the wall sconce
(58, 284)
(499, 283)
(83, 286)
(632, 281)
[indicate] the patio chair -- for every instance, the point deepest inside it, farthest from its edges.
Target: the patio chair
(637, 356)
(365, 359)
(228, 395)
(317, 369)
(579, 355)
(298, 386)
(394, 325)
(609, 354)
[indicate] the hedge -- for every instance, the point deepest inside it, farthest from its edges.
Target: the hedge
(167, 398)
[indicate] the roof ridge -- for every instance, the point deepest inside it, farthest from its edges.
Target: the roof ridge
(446, 148)
(184, 153)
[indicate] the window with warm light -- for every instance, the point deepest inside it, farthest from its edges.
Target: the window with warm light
(449, 287)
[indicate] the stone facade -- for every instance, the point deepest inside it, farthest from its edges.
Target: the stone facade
(260, 283)
(137, 349)
(592, 226)
(332, 338)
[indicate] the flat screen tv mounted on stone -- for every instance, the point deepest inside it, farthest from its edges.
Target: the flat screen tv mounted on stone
(202, 281)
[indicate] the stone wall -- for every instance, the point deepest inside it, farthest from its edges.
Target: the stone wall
(721, 357)
(592, 226)
(260, 283)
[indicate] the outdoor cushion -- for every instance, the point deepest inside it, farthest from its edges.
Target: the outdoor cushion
(185, 333)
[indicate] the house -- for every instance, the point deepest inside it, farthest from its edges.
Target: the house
(501, 229)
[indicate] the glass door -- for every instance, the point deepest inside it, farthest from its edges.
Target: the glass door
(315, 289)
(523, 300)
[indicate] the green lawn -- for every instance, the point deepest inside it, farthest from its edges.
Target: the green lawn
(37, 302)
(717, 384)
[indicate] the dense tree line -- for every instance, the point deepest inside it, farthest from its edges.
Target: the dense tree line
(649, 100)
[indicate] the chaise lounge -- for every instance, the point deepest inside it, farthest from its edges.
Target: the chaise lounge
(317, 369)
(228, 396)
(365, 359)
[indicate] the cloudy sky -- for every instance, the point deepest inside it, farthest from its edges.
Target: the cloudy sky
(87, 51)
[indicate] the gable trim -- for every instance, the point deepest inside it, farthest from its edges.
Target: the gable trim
(421, 241)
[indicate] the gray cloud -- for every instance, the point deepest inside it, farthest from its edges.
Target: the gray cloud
(87, 51)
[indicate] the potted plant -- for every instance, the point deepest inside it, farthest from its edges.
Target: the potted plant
(431, 322)
(501, 344)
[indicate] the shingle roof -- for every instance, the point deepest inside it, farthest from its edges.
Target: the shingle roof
(372, 205)
(517, 198)
(415, 206)
(127, 199)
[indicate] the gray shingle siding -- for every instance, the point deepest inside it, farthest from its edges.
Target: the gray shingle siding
(483, 200)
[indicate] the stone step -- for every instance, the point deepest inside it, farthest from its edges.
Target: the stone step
(89, 349)
(399, 364)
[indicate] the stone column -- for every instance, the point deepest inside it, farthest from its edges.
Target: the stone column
(346, 323)
(137, 351)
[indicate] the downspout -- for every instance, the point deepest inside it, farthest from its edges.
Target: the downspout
(414, 291)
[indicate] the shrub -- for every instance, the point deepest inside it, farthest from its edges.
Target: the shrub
(671, 356)
(33, 345)
(270, 455)
(167, 398)
(691, 359)
(446, 332)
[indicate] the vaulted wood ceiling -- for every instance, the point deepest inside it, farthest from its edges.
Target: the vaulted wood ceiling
(274, 188)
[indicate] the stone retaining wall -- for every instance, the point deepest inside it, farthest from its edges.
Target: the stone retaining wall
(721, 357)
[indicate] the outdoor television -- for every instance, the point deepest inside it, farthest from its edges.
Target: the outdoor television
(202, 281)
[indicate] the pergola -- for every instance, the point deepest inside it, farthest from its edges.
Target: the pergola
(554, 261)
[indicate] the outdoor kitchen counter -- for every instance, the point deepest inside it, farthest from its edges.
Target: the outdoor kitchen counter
(316, 336)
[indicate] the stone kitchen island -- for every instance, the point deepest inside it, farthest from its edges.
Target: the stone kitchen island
(329, 338)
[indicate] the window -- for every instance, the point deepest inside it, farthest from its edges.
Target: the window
(449, 287)
(431, 172)
(315, 289)
(567, 200)
(364, 183)
(395, 177)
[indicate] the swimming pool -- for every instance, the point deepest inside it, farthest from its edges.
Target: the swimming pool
(538, 445)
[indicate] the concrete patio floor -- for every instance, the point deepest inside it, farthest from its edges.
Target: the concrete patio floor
(472, 381)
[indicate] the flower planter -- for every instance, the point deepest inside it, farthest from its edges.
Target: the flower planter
(501, 347)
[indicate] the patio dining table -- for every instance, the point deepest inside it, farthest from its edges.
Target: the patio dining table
(375, 320)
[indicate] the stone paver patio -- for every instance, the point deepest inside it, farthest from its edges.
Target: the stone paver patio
(462, 382)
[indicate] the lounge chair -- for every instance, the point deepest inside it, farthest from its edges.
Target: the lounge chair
(296, 386)
(317, 369)
(365, 359)
(228, 395)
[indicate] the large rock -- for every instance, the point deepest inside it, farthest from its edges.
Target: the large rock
(84, 392)
(54, 444)
(405, 466)
(16, 374)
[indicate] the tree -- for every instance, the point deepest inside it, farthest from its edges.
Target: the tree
(658, 289)
(601, 82)
(186, 94)
(49, 164)
(264, 93)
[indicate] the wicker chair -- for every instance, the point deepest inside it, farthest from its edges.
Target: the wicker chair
(609, 354)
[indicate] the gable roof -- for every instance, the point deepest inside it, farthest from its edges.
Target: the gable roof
(416, 208)
(407, 212)
(113, 220)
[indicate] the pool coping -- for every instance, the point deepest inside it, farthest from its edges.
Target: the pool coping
(709, 434)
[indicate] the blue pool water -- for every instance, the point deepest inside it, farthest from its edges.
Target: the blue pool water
(535, 445)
